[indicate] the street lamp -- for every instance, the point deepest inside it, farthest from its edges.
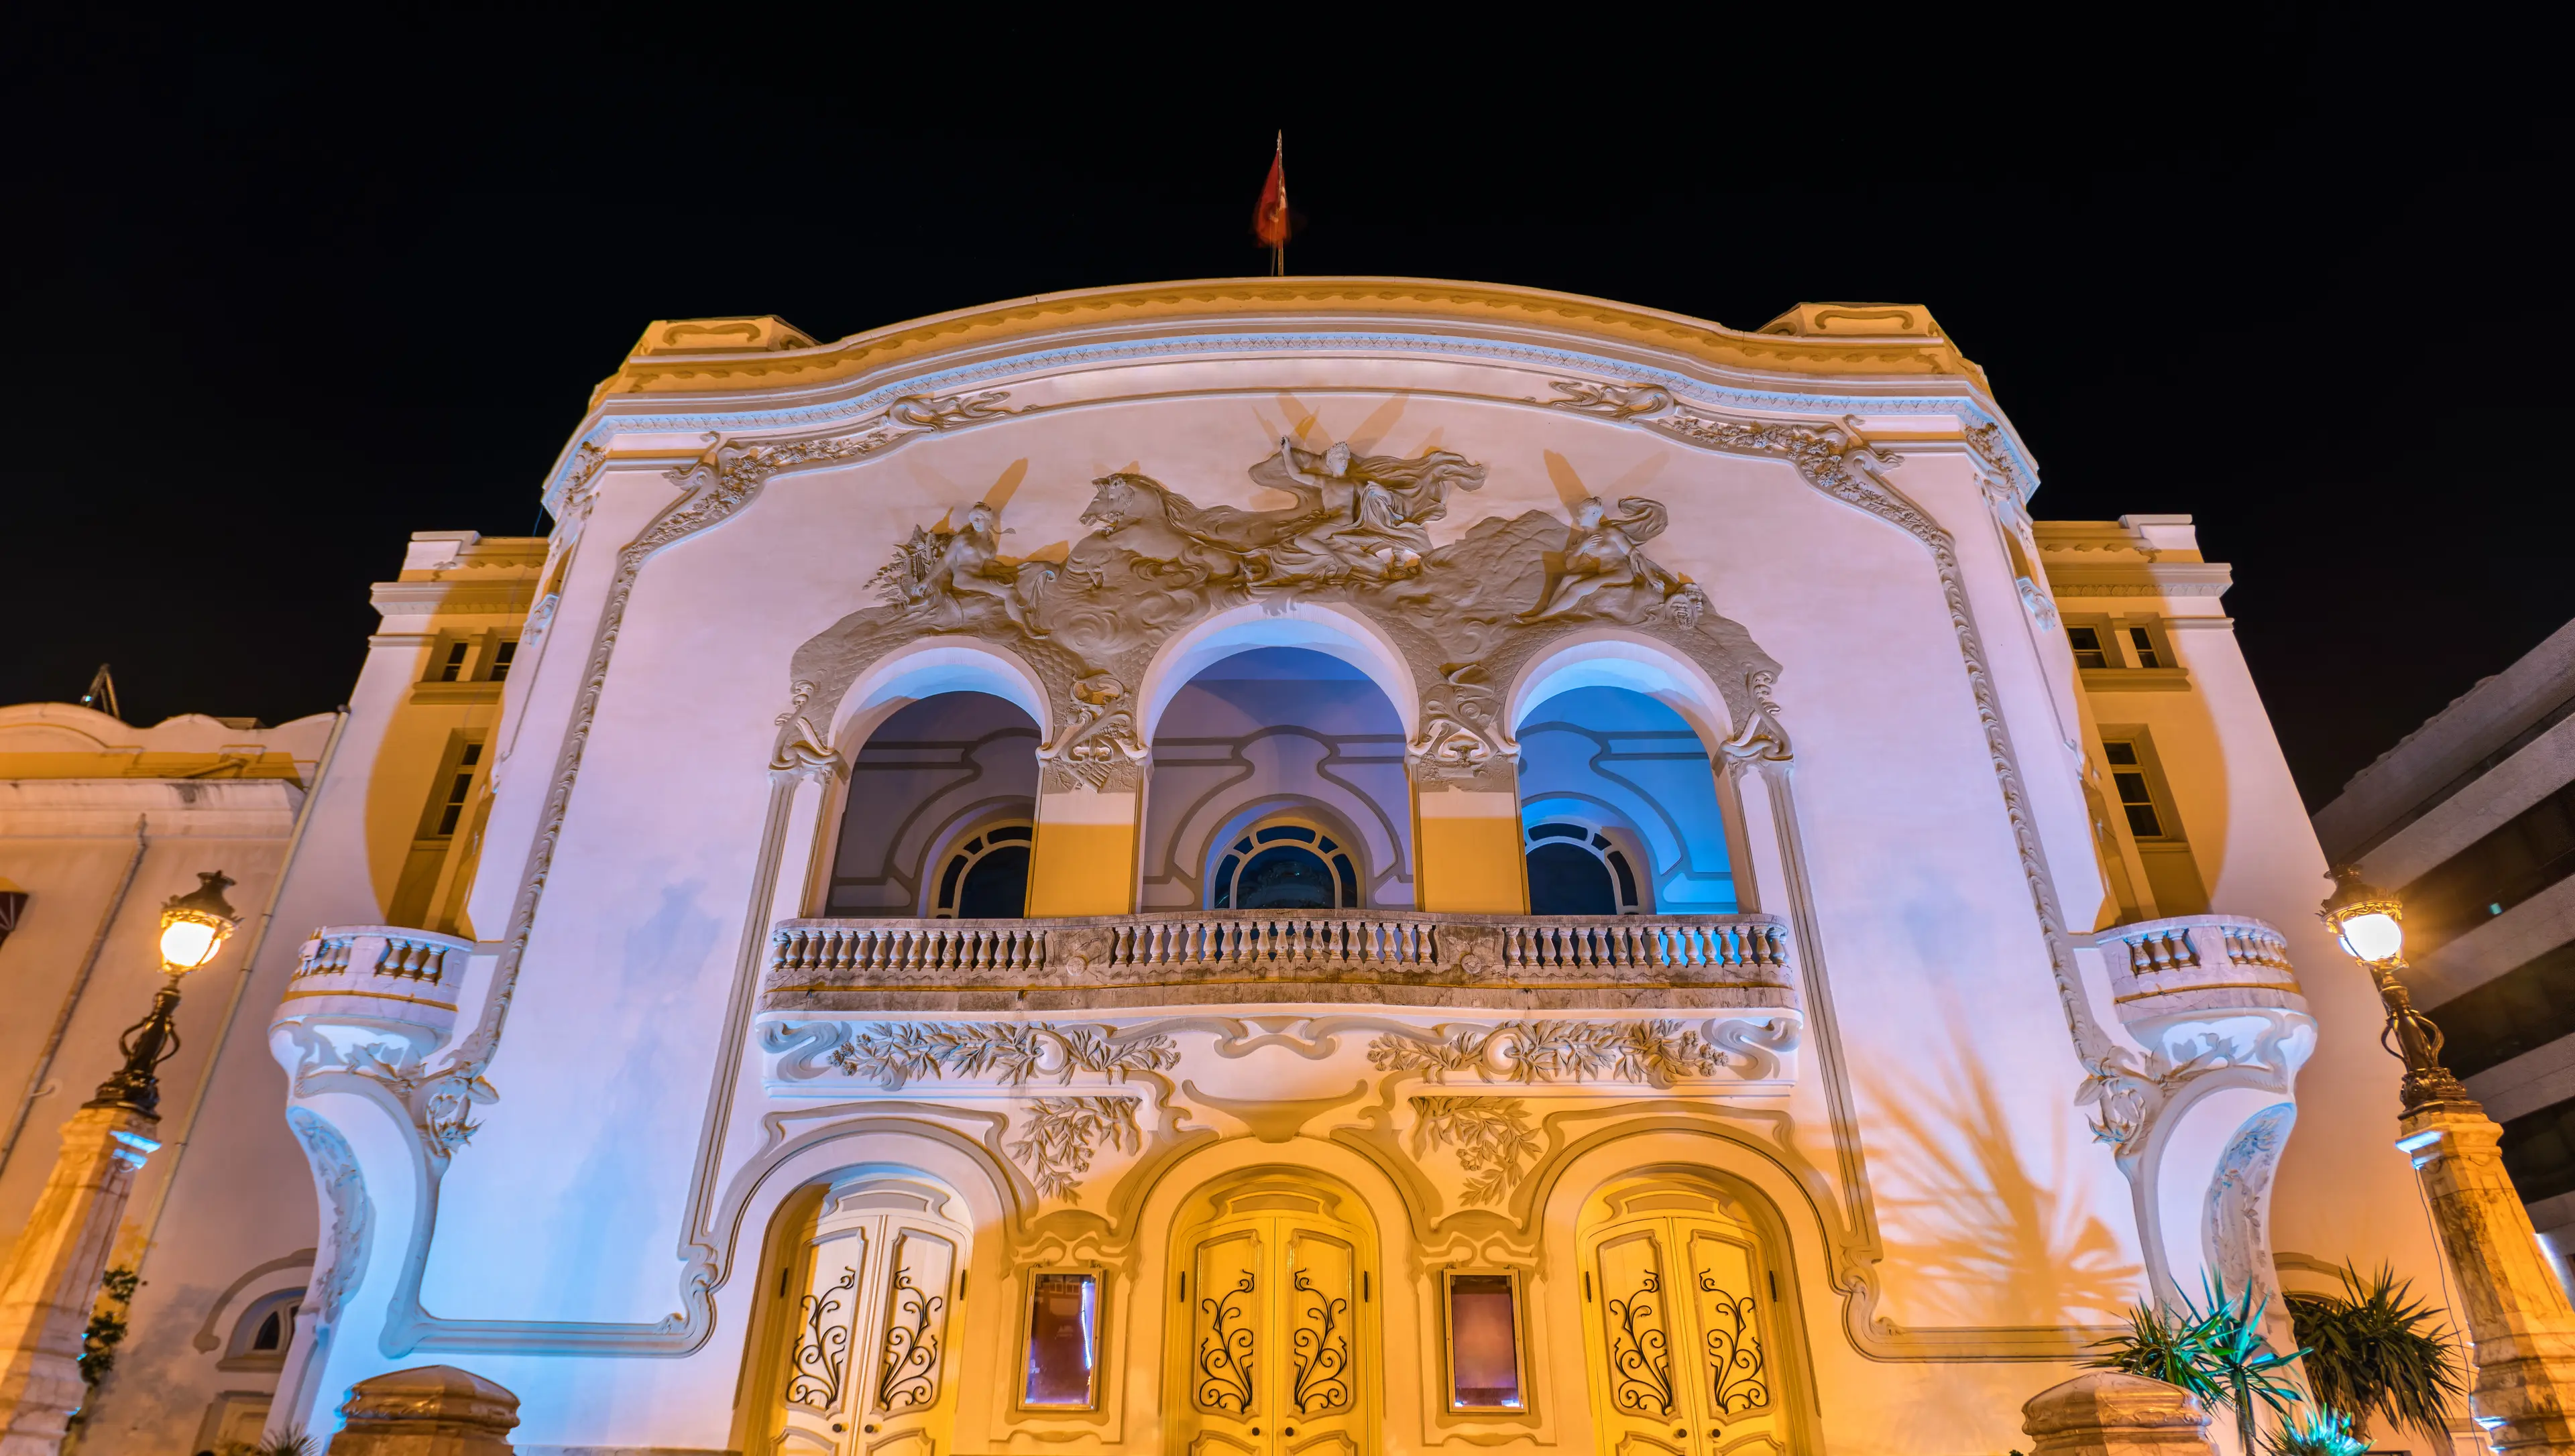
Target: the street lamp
(2370, 922)
(193, 928)
(2520, 1324)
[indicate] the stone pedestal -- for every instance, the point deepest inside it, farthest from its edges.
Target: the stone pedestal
(2112, 1413)
(433, 1410)
(2517, 1317)
(51, 1285)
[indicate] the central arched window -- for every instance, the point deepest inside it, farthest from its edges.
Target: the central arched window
(986, 877)
(1286, 864)
(1576, 870)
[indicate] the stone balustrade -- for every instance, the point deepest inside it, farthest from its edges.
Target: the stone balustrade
(384, 977)
(1387, 958)
(2210, 961)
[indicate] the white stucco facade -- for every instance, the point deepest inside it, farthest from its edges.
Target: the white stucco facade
(1904, 1034)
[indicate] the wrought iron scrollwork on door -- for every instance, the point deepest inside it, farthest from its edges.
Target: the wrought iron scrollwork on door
(1641, 1365)
(1225, 1350)
(910, 1373)
(822, 1352)
(1319, 1350)
(1734, 1360)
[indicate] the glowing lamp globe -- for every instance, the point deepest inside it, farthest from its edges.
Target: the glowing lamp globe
(195, 925)
(2369, 920)
(2374, 937)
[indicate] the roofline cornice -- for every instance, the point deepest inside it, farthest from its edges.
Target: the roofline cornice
(772, 380)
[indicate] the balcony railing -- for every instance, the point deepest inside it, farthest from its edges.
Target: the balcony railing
(1384, 956)
(2198, 962)
(380, 976)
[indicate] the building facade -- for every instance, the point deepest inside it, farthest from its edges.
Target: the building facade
(1283, 866)
(2473, 816)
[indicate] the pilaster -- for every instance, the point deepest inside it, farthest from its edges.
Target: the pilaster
(1468, 843)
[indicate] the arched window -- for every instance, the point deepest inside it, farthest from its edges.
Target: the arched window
(1577, 870)
(986, 877)
(1285, 864)
(264, 1331)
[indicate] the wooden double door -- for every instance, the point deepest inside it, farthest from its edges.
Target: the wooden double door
(867, 1299)
(1273, 1344)
(1681, 1312)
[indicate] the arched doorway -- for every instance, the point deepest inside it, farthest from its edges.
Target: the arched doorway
(1278, 1345)
(860, 1359)
(1683, 1322)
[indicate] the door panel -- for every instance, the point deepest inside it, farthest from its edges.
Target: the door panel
(1272, 1354)
(1732, 1361)
(1323, 1298)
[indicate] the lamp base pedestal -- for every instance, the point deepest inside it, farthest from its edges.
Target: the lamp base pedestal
(52, 1281)
(2519, 1323)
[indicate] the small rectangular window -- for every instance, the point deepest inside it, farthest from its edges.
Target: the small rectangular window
(1063, 1341)
(2145, 647)
(454, 666)
(2089, 651)
(458, 790)
(501, 656)
(1484, 1343)
(2129, 775)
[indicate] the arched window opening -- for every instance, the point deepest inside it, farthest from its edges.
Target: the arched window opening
(1631, 769)
(1286, 864)
(264, 1332)
(1266, 736)
(947, 771)
(986, 877)
(1577, 870)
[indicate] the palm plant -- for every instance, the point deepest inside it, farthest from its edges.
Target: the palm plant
(2377, 1350)
(2316, 1433)
(2217, 1354)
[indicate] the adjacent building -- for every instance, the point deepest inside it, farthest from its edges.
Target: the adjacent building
(2471, 818)
(1274, 865)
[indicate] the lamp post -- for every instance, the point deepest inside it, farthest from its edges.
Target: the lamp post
(2520, 1327)
(52, 1279)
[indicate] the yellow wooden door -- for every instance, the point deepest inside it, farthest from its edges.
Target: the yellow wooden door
(1678, 1310)
(867, 1371)
(1271, 1356)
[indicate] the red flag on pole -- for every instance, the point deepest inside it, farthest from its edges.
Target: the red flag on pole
(1269, 221)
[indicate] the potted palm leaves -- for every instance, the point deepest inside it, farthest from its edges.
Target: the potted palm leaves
(2374, 1349)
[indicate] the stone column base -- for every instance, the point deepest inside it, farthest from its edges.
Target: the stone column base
(435, 1410)
(2111, 1413)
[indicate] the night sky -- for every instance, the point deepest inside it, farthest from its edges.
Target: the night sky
(274, 303)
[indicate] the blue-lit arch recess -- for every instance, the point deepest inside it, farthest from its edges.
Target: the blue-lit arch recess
(1611, 776)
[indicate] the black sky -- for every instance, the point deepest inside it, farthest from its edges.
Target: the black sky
(276, 300)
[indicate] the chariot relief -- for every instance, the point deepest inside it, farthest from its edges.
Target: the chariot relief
(1465, 615)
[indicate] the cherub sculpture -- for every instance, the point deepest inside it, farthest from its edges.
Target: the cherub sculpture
(1601, 554)
(954, 566)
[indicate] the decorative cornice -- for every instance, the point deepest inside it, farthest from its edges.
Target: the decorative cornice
(2141, 579)
(452, 598)
(1256, 302)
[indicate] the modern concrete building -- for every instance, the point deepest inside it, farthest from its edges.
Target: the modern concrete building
(2471, 819)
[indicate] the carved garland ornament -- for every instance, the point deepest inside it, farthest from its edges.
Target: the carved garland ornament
(1060, 1135)
(1491, 1136)
(1010, 1053)
(1655, 1053)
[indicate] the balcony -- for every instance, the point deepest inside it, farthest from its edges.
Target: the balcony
(1239, 957)
(2181, 985)
(379, 979)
